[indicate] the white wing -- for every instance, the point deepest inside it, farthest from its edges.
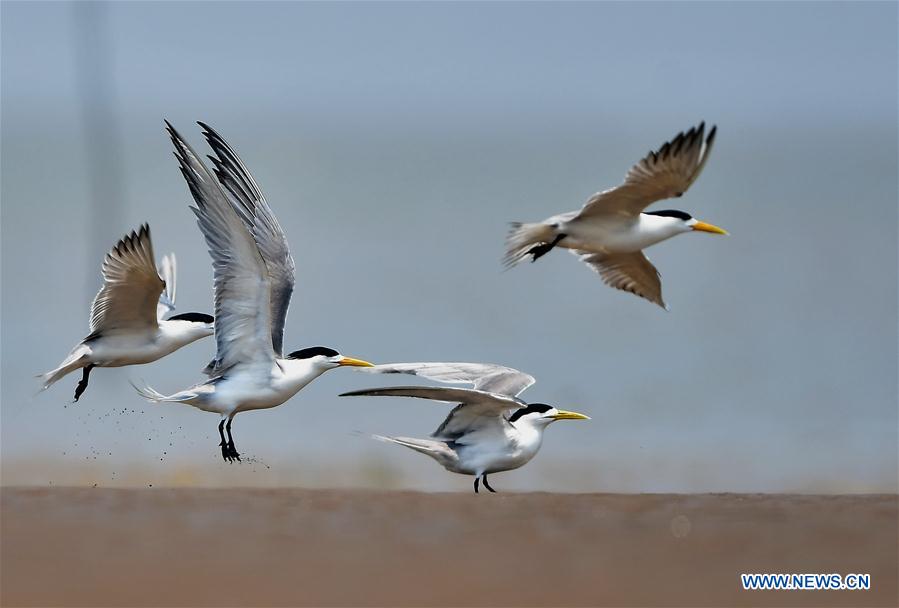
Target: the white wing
(483, 376)
(631, 272)
(665, 173)
(131, 286)
(270, 239)
(168, 271)
(242, 293)
(476, 411)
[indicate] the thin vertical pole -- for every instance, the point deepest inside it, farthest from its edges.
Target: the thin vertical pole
(93, 55)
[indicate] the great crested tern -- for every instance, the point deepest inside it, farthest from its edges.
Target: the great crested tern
(253, 275)
(611, 230)
(490, 430)
(127, 325)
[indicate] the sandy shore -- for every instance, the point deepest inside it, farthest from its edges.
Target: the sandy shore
(166, 547)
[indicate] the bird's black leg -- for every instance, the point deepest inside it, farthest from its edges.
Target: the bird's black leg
(232, 451)
(476, 480)
(487, 485)
(82, 384)
(538, 251)
(224, 444)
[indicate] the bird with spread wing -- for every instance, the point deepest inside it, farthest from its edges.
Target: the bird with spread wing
(490, 430)
(610, 232)
(253, 277)
(127, 325)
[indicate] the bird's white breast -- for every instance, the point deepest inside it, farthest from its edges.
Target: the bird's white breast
(498, 451)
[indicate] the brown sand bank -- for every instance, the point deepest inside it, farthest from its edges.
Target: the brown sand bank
(186, 547)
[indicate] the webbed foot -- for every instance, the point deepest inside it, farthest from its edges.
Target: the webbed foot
(232, 451)
(82, 384)
(538, 251)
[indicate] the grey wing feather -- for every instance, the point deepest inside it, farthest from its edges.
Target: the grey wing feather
(242, 292)
(665, 173)
(631, 272)
(131, 286)
(168, 271)
(267, 232)
(475, 410)
(483, 376)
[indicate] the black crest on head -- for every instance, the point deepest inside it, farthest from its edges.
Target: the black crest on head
(671, 213)
(314, 351)
(193, 317)
(540, 408)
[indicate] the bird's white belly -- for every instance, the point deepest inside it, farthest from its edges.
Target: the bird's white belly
(116, 350)
(609, 236)
(241, 394)
(480, 459)
(233, 397)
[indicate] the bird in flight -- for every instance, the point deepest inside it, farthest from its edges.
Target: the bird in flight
(490, 430)
(611, 230)
(253, 276)
(127, 325)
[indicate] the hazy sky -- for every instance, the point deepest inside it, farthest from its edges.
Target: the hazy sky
(395, 142)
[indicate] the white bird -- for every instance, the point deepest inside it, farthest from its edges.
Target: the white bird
(127, 325)
(253, 274)
(490, 430)
(611, 230)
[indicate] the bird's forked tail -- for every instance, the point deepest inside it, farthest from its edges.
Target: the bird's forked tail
(438, 450)
(523, 238)
(151, 394)
(77, 359)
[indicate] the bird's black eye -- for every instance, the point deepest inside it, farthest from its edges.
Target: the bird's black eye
(313, 351)
(193, 317)
(533, 408)
(683, 215)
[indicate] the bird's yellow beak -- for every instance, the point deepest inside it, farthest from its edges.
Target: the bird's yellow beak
(355, 362)
(564, 415)
(704, 227)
